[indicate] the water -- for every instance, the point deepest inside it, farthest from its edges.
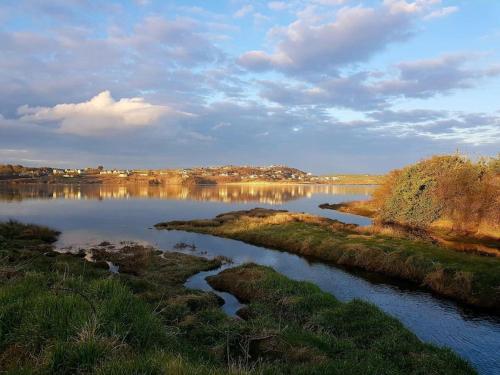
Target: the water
(88, 215)
(231, 303)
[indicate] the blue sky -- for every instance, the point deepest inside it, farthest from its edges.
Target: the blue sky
(323, 85)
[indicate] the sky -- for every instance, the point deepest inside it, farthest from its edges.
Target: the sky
(327, 86)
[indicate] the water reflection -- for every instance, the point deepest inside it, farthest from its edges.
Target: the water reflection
(264, 194)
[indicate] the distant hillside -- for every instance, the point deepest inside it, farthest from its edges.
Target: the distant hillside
(227, 174)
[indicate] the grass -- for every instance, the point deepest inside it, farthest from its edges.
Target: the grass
(60, 314)
(469, 278)
(361, 179)
(440, 231)
(324, 336)
(362, 208)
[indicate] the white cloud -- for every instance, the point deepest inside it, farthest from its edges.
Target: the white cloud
(324, 40)
(101, 114)
(397, 6)
(444, 74)
(221, 125)
(260, 18)
(243, 11)
(330, 2)
(10, 151)
(354, 35)
(476, 136)
(474, 129)
(443, 12)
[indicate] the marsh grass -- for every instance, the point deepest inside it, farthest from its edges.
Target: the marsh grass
(466, 277)
(60, 314)
(14, 230)
(311, 329)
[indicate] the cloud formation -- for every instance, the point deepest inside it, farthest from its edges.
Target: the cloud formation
(100, 115)
(370, 90)
(355, 34)
(358, 83)
(475, 129)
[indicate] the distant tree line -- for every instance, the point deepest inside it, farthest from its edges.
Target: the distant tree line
(16, 170)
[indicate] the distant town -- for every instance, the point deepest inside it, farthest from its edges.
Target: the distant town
(198, 176)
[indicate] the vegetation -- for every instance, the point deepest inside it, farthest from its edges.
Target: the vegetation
(60, 314)
(304, 324)
(440, 194)
(470, 278)
(362, 208)
(355, 179)
(8, 171)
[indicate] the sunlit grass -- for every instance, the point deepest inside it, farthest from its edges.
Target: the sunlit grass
(470, 278)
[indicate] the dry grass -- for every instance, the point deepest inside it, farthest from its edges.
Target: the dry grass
(362, 208)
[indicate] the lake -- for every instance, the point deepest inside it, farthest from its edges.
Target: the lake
(89, 214)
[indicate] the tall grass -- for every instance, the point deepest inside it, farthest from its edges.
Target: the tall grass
(14, 230)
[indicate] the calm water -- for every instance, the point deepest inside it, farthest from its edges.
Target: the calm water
(91, 214)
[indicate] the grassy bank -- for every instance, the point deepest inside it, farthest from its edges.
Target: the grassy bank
(362, 208)
(327, 336)
(60, 314)
(469, 278)
(354, 179)
(440, 231)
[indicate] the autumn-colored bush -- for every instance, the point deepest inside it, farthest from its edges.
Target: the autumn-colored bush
(451, 188)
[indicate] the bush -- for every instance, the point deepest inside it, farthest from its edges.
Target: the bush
(451, 187)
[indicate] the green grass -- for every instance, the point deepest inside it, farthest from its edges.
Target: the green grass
(469, 278)
(324, 336)
(62, 315)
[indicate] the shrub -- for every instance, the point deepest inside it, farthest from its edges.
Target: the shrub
(451, 187)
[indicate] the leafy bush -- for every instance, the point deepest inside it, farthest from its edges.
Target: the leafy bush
(450, 187)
